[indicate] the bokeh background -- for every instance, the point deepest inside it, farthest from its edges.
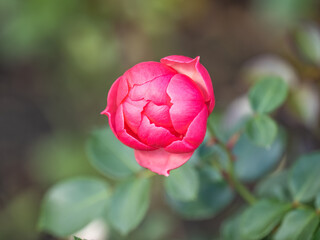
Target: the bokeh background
(58, 59)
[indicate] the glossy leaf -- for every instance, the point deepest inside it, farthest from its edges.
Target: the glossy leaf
(268, 94)
(183, 183)
(70, 205)
(261, 218)
(304, 181)
(274, 187)
(298, 224)
(252, 161)
(261, 130)
(129, 204)
(109, 156)
(213, 196)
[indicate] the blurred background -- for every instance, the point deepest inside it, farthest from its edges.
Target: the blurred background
(59, 58)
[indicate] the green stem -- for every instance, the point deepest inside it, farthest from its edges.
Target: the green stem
(238, 186)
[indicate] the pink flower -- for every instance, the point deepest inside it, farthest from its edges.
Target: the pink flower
(161, 110)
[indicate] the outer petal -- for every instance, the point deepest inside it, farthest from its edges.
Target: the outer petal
(196, 71)
(187, 102)
(123, 135)
(180, 146)
(154, 136)
(160, 161)
(197, 129)
(111, 108)
(146, 71)
(123, 90)
(194, 136)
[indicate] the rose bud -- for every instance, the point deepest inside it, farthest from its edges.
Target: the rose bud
(161, 110)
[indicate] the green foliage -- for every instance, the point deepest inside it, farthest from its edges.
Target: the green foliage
(274, 187)
(214, 123)
(253, 162)
(231, 228)
(316, 235)
(212, 197)
(72, 204)
(317, 203)
(304, 181)
(261, 130)
(268, 94)
(183, 183)
(109, 156)
(260, 219)
(298, 224)
(129, 204)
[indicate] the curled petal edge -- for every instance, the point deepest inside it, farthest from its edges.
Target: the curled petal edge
(196, 71)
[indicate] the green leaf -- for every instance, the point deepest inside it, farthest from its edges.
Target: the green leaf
(261, 130)
(158, 225)
(268, 94)
(70, 205)
(215, 125)
(212, 197)
(298, 224)
(260, 219)
(304, 181)
(316, 235)
(252, 161)
(214, 154)
(230, 228)
(109, 156)
(76, 238)
(183, 183)
(129, 204)
(274, 187)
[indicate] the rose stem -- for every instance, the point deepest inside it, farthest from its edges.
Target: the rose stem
(230, 176)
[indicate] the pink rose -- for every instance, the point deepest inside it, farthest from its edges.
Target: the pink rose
(161, 110)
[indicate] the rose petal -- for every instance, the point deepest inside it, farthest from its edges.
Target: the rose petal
(123, 90)
(197, 129)
(157, 91)
(146, 71)
(161, 161)
(132, 113)
(180, 146)
(194, 136)
(158, 114)
(154, 90)
(111, 104)
(196, 71)
(154, 136)
(186, 100)
(123, 135)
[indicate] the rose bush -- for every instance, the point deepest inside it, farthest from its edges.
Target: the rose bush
(161, 110)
